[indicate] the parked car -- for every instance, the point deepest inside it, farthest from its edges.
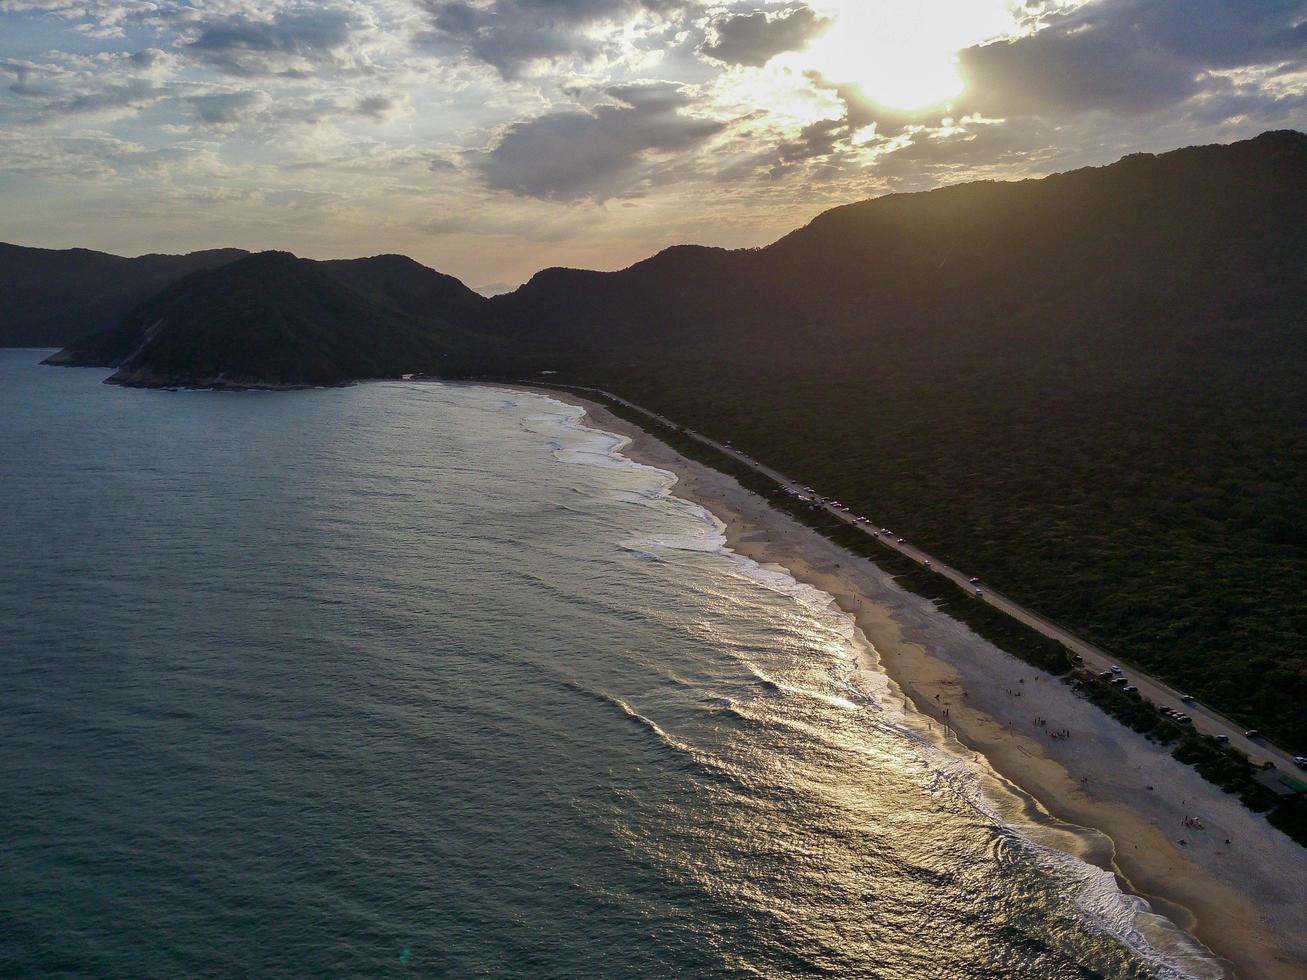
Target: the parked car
(1300, 761)
(1116, 669)
(1252, 733)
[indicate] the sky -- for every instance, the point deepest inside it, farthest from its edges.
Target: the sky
(492, 138)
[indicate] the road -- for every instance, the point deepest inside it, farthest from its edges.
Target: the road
(1207, 721)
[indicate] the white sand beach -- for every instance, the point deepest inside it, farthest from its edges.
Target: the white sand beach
(1237, 884)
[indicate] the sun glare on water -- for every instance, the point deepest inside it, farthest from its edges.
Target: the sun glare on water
(903, 53)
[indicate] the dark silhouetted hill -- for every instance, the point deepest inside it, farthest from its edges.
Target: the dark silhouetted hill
(50, 297)
(274, 319)
(399, 282)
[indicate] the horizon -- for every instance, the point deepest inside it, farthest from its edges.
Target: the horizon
(495, 139)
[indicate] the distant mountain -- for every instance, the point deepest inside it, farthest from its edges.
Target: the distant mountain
(49, 297)
(274, 319)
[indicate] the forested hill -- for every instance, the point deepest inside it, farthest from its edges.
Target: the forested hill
(50, 297)
(1087, 389)
(1091, 390)
(1115, 255)
(274, 319)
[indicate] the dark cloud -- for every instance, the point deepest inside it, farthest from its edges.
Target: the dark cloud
(241, 45)
(819, 139)
(149, 59)
(22, 74)
(601, 153)
(1129, 56)
(757, 37)
(512, 35)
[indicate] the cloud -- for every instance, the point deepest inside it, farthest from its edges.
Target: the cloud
(600, 153)
(515, 36)
(23, 72)
(1128, 56)
(99, 157)
(291, 42)
(224, 110)
(98, 18)
(755, 38)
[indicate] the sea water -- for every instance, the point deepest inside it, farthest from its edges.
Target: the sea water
(415, 679)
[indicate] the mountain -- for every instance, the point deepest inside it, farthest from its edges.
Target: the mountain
(49, 297)
(274, 319)
(1087, 389)
(1110, 254)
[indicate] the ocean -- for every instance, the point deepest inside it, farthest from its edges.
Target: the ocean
(418, 679)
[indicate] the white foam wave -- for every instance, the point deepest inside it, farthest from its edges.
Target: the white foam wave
(1094, 890)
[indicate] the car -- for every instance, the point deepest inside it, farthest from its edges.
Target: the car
(979, 593)
(926, 562)
(1115, 669)
(1120, 681)
(1164, 709)
(1184, 719)
(1105, 674)
(1187, 698)
(1223, 739)
(974, 579)
(1300, 761)
(903, 540)
(1130, 689)
(1252, 733)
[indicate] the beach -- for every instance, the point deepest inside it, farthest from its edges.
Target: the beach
(1194, 852)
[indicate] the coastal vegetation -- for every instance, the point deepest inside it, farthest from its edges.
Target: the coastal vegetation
(1219, 763)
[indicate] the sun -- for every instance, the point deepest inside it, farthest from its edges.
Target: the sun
(903, 54)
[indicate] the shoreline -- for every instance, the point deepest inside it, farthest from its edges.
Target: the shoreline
(1241, 900)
